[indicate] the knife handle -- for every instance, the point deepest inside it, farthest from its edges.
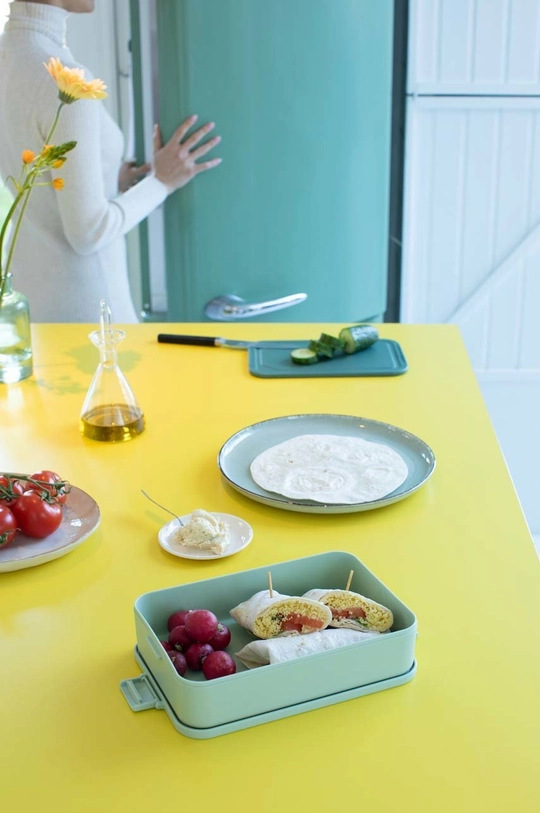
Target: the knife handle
(179, 338)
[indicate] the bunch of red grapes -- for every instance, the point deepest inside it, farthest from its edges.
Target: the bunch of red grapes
(197, 640)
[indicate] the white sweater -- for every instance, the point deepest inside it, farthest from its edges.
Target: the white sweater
(70, 252)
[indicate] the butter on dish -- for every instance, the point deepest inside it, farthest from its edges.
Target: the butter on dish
(204, 531)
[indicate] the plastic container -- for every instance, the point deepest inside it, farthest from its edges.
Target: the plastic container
(232, 701)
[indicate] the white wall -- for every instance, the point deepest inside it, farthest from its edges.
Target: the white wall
(471, 242)
(474, 46)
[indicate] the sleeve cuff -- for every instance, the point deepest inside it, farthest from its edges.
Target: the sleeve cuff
(141, 200)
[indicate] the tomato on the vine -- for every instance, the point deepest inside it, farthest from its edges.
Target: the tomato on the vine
(46, 476)
(14, 487)
(35, 516)
(8, 526)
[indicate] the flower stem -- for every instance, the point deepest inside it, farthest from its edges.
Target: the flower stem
(55, 122)
(26, 189)
(2, 235)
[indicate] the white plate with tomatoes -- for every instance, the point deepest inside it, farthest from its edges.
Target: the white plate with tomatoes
(80, 517)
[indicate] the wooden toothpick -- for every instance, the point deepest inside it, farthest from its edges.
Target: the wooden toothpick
(349, 580)
(270, 585)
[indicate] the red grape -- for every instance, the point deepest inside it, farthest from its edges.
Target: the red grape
(196, 654)
(166, 645)
(177, 619)
(201, 625)
(179, 639)
(178, 661)
(221, 638)
(218, 664)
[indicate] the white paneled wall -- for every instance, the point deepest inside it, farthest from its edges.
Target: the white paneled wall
(472, 224)
(474, 46)
(471, 232)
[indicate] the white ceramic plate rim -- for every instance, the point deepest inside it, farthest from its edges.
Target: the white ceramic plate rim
(272, 499)
(8, 565)
(239, 540)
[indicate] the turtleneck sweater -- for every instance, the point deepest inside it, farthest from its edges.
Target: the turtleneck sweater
(70, 252)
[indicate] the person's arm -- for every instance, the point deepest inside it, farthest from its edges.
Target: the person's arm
(90, 220)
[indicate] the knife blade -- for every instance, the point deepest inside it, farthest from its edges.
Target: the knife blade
(216, 341)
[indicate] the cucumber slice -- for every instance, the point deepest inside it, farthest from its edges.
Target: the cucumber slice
(331, 341)
(322, 350)
(358, 337)
(303, 355)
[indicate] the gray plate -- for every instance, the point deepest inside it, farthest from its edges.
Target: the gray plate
(238, 452)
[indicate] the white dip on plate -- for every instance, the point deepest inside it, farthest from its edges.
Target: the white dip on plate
(204, 531)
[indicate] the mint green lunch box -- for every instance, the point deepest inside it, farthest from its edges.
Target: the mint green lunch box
(202, 709)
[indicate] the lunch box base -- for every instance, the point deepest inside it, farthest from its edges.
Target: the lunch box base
(143, 692)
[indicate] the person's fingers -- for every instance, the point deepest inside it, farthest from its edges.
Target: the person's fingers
(204, 148)
(142, 170)
(182, 129)
(156, 138)
(199, 134)
(207, 165)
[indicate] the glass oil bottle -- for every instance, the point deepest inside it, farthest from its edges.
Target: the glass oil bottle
(110, 412)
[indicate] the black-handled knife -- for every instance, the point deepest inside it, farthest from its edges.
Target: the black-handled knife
(218, 341)
(179, 338)
(203, 341)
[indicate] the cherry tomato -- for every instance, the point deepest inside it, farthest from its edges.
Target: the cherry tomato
(35, 517)
(14, 486)
(8, 526)
(51, 477)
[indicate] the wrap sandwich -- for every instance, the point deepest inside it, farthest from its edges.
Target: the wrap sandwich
(269, 616)
(353, 611)
(279, 650)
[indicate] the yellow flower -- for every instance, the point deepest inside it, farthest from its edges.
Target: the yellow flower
(46, 149)
(71, 83)
(28, 156)
(58, 183)
(59, 163)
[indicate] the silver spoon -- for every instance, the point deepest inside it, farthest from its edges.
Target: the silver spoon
(148, 497)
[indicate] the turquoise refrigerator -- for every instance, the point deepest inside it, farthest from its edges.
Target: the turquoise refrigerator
(293, 225)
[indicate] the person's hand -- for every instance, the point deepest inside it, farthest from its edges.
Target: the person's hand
(130, 173)
(175, 163)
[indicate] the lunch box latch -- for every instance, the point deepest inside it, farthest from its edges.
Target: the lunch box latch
(141, 694)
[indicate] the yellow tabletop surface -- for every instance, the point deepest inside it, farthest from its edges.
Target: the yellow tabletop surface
(463, 735)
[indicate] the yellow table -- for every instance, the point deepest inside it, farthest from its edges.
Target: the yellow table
(462, 737)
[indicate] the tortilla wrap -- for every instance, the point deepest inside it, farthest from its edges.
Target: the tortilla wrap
(352, 610)
(269, 616)
(279, 650)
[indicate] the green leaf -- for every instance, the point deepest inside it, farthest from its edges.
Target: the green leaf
(59, 151)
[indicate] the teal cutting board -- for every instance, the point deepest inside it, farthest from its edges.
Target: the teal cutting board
(385, 357)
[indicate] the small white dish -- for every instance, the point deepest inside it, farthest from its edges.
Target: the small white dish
(240, 532)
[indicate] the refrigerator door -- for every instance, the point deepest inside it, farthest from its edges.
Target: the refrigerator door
(300, 91)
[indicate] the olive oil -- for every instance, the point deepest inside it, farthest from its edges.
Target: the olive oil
(112, 423)
(110, 412)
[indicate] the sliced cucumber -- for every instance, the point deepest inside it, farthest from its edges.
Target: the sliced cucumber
(303, 355)
(358, 337)
(331, 341)
(322, 350)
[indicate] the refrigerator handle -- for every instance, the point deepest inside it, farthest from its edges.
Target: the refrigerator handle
(229, 307)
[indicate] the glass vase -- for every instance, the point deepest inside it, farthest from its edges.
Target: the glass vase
(15, 336)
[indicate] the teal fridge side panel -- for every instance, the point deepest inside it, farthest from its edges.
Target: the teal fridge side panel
(301, 94)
